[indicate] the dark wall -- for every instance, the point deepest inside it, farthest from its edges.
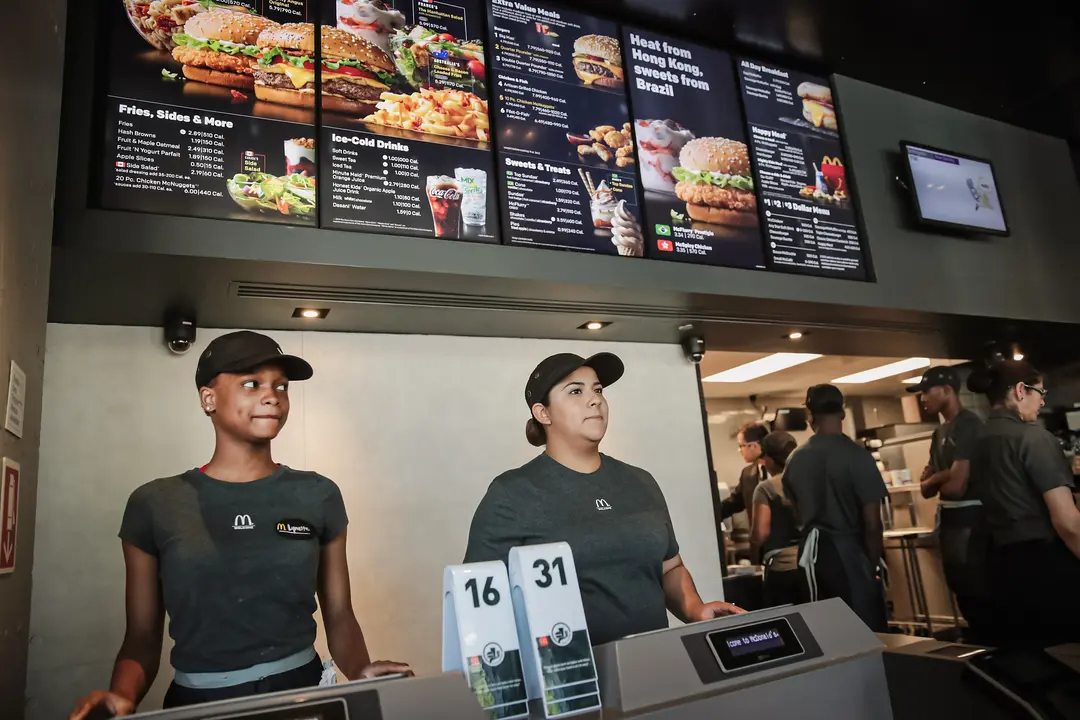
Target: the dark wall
(29, 126)
(1028, 275)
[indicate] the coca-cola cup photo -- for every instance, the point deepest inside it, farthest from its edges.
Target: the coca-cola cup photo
(444, 194)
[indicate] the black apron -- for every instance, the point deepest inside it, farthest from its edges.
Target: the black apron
(965, 558)
(836, 566)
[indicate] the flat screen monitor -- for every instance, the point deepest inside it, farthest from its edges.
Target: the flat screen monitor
(954, 190)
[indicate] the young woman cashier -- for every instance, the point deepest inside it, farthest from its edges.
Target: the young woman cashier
(235, 552)
(612, 514)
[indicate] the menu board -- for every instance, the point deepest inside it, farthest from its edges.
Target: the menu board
(566, 161)
(810, 224)
(186, 131)
(404, 128)
(699, 196)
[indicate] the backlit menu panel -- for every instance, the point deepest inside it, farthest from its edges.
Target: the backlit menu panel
(809, 217)
(187, 130)
(405, 130)
(699, 196)
(565, 151)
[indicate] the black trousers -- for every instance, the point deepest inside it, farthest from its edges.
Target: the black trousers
(965, 557)
(1036, 587)
(302, 677)
(782, 587)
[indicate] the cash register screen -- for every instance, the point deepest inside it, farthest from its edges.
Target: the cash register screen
(749, 645)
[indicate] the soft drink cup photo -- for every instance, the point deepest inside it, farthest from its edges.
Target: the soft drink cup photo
(444, 195)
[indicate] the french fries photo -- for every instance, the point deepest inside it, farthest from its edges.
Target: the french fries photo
(450, 113)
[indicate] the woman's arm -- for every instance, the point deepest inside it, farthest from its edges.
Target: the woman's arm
(759, 533)
(682, 596)
(1064, 516)
(343, 633)
(140, 654)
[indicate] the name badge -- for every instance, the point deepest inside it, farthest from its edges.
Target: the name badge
(296, 529)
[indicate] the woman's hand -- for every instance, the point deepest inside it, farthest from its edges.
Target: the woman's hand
(385, 667)
(712, 610)
(116, 705)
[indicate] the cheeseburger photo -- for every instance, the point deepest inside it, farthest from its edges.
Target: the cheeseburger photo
(715, 182)
(818, 105)
(219, 47)
(598, 60)
(354, 73)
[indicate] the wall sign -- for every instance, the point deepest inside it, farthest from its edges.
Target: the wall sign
(9, 515)
(16, 401)
(559, 667)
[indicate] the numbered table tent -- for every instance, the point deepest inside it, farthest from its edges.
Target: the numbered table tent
(556, 651)
(480, 638)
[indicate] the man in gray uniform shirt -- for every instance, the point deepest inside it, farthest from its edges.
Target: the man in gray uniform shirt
(964, 535)
(837, 492)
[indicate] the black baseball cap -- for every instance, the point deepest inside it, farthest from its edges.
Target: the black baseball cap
(244, 350)
(609, 368)
(824, 400)
(940, 376)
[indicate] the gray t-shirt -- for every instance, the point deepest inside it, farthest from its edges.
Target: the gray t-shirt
(1016, 463)
(616, 522)
(829, 479)
(238, 562)
(953, 441)
(783, 530)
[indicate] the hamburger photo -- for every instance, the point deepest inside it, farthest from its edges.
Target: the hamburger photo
(818, 105)
(715, 182)
(219, 47)
(598, 61)
(355, 72)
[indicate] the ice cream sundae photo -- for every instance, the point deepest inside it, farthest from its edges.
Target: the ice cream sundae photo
(659, 143)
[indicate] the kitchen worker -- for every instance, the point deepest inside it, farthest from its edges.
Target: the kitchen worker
(964, 536)
(742, 498)
(1026, 487)
(837, 492)
(775, 534)
(612, 514)
(235, 552)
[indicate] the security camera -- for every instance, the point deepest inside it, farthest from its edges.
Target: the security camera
(693, 347)
(179, 333)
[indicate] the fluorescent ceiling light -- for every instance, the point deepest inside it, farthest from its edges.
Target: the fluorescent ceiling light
(879, 373)
(761, 367)
(912, 380)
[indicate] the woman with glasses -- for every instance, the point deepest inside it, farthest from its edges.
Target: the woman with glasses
(1026, 487)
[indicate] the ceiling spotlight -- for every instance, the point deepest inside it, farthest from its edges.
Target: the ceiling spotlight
(311, 313)
(795, 335)
(594, 325)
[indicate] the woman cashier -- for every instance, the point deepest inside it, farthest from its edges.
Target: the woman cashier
(1026, 488)
(612, 514)
(234, 552)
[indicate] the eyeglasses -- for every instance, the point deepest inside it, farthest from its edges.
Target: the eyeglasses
(1042, 391)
